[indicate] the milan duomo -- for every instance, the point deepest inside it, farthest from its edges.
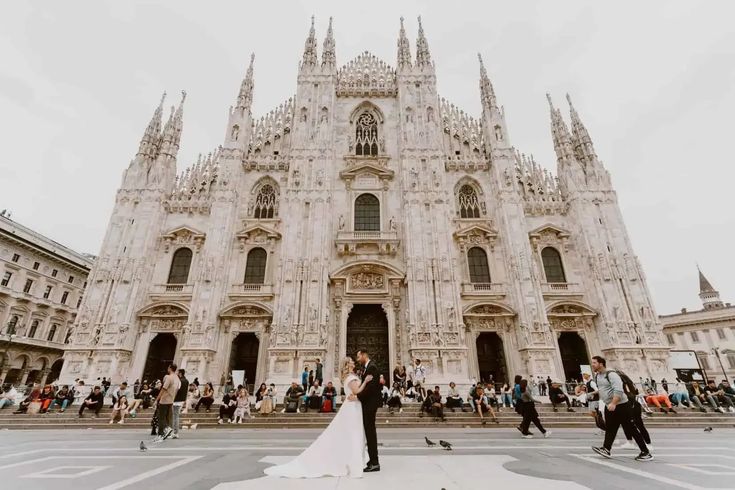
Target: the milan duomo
(365, 211)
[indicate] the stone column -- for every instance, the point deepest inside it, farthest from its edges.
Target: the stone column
(391, 316)
(141, 352)
(44, 376)
(260, 366)
(472, 367)
(23, 376)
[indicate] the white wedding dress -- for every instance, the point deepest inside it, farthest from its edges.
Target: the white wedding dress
(338, 451)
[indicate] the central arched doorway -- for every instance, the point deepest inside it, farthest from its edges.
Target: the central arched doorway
(160, 354)
(367, 328)
(573, 351)
(244, 357)
(491, 358)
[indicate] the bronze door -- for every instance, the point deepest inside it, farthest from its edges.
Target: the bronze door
(367, 327)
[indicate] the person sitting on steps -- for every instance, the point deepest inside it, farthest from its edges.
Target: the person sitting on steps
(479, 400)
(657, 399)
(453, 398)
(227, 409)
(329, 394)
(64, 398)
(207, 398)
(242, 409)
(94, 401)
(294, 395)
(557, 396)
(119, 409)
(437, 408)
(394, 400)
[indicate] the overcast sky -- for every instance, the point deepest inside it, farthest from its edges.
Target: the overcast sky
(653, 81)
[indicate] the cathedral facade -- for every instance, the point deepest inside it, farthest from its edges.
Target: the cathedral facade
(365, 210)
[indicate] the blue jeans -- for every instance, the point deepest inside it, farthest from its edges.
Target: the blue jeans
(6, 403)
(506, 399)
(64, 404)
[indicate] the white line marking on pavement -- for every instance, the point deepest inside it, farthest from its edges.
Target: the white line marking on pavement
(54, 472)
(49, 458)
(23, 453)
(698, 455)
(699, 468)
(633, 471)
(148, 474)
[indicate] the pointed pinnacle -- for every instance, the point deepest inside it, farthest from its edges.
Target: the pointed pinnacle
(551, 104)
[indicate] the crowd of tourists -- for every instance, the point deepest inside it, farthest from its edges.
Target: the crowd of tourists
(624, 402)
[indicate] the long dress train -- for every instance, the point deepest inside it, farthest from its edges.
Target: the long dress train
(338, 451)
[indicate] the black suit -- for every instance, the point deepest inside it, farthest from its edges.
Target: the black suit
(371, 400)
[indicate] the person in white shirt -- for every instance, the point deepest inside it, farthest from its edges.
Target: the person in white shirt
(7, 397)
(419, 378)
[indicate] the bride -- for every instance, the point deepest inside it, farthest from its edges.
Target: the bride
(340, 449)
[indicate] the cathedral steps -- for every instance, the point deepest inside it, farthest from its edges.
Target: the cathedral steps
(409, 418)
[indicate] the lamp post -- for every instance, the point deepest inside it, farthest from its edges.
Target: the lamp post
(719, 359)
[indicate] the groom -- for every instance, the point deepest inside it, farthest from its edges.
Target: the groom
(370, 398)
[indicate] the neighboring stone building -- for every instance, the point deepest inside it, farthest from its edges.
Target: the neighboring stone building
(709, 331)
(365, 210)
(41, 287)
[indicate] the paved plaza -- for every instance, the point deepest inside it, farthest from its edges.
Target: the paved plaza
(204, 459)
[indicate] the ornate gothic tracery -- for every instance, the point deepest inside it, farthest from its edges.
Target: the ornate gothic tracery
(467, 202)
(366, 135)
(266, 203)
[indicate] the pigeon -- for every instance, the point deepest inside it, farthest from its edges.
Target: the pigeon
(446, 445)
(429, 442)
(143, 446)
(708, 429)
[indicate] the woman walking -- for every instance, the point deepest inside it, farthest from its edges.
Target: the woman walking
(529, 412)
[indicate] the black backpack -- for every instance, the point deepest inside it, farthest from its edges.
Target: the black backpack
(629, 387)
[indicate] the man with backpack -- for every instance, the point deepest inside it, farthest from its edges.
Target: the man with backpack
(617, 410)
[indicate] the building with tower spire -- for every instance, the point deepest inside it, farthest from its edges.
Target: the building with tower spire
(366, 211)
(709, 331)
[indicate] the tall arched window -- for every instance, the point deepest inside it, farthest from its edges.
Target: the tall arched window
(469, 205)
(366, 135)
(367, 213)
(255, 266)
(12, 324)
(180, 265)
(266, 204)
(553, 267)
(32, 331)
(52, 332)
(479, 270)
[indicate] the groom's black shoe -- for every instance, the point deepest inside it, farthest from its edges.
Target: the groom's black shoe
(371, 467)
